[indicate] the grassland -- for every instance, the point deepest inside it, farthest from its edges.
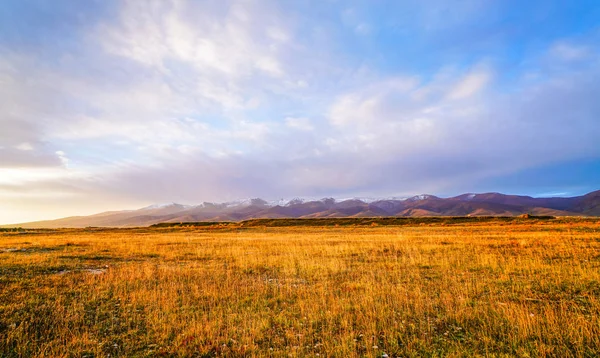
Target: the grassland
(487, 288)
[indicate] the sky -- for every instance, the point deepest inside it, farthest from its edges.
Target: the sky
(108, 105)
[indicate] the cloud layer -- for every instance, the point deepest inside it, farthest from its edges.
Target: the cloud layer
(139, 102)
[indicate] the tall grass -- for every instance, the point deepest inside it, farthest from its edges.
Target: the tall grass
(495, 289)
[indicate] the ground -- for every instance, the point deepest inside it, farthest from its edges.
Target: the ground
(490, 288)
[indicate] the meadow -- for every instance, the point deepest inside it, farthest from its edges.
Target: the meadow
(497, 288)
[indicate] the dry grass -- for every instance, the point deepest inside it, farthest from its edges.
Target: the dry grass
(490, 289)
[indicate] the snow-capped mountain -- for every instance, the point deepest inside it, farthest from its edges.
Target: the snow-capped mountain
(166, 206)
(486, 204)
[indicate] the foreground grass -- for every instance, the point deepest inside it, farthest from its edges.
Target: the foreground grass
(490, 289)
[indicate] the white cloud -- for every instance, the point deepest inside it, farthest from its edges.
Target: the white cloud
(25, 146)
(455, 120)
(470, 85)
(372, 103)
(225, 44)
(63, 158)
(303, 124)
(570, 52)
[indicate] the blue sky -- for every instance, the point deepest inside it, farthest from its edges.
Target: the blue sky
(119, 104)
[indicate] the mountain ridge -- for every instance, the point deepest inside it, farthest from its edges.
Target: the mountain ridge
(469, 204)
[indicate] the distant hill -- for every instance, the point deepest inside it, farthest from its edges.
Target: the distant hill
(487, 204)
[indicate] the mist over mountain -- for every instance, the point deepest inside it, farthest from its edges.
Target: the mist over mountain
(486, 204)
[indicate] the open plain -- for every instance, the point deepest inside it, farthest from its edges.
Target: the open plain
(515, 287)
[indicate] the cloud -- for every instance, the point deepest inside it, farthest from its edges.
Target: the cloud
(24, 146)
(302, 124)
(570, 52)
(429, 127)
(384, 139)
(19, 158)
(221, 47)
(26, 110)
(373, 102)
(470, 85)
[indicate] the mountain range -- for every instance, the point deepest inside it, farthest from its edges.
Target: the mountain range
(488, 204)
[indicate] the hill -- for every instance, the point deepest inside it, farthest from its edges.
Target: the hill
(486, 204)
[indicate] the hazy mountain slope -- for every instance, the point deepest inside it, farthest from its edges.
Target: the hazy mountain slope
(588, 204)
(518, 200)
(487, 204)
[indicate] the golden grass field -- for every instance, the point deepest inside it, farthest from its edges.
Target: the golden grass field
(481, 289)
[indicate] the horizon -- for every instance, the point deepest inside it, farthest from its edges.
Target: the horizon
(116, 104)
(286, 202)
